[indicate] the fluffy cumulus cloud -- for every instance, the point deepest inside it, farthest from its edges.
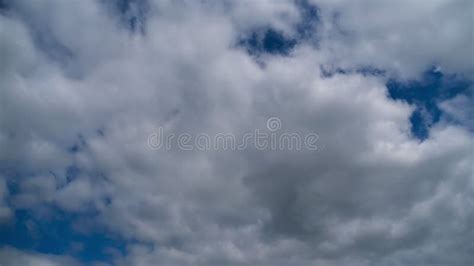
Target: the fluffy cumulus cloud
(85, 84)
(401, 36)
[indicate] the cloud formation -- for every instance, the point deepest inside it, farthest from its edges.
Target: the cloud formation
(85, 83)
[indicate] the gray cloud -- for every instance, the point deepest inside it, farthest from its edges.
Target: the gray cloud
(14, 257)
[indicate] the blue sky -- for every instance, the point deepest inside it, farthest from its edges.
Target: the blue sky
(426, 94)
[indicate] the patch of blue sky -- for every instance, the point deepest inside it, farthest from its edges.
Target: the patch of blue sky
(59, 234)
(275, 42)
(267, 41)
(426, 94)
(78, 145)
(50, 230)
(310, 17)
(132, 13)
(328, 71)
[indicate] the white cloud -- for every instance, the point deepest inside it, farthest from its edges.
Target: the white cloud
(460, 109)
(401, 36)
(370, 194)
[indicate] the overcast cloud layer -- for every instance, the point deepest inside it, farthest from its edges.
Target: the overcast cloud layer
(83, 85)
